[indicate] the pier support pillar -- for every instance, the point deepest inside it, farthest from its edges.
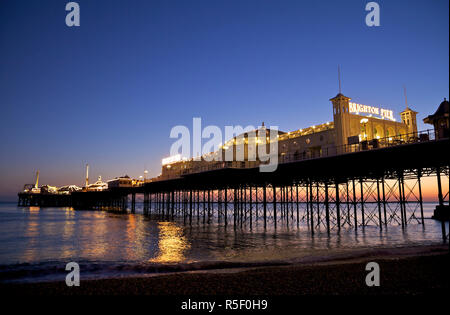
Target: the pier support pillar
(327, 209)
(441, 202)
(338, 205)
(419, 182)
(265, 206)
(133, 203)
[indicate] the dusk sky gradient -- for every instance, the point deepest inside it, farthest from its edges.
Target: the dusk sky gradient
(108, 92)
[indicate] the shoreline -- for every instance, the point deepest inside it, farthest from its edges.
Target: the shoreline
(404, 270)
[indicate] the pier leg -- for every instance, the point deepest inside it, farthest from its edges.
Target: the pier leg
(355, 214)
(146, 196)
(311, 207)
(384, 202)
(400, 196)
(190, 206)
(441, 202)
(291, 201)
(348, 203)
(338, 207)
(307, 203)
(318, 204)
(250, 210)
(226, 206)
(234, 205)
(361, 184)
(404, 201)
(274, 199)
(379, 204)
(265, 206)
(327, 209)
(198, 206)
(296, 199)
(419, 175)
(209, 204)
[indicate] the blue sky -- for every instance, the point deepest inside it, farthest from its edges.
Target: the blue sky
(108, 92)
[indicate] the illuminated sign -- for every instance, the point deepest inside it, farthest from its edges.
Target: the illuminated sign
(171, 159)
(366, 109)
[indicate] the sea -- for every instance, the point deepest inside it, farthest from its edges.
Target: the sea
(36, 243)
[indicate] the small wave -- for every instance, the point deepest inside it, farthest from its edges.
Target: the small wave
(55, 271)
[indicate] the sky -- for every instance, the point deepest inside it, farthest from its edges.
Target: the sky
(108, 92)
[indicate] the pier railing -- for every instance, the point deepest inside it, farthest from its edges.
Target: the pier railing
(362, 145)
(327, 151)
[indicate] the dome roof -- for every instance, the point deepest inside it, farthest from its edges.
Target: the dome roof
(443, 108)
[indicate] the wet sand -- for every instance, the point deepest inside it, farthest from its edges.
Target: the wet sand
(406, 271)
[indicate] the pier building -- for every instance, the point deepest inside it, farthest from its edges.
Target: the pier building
(354, 127)
(440, 120)
(123, 181)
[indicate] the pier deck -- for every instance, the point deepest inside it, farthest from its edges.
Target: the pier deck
(329, 191)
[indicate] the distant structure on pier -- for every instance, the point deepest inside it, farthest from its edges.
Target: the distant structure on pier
(124, 182)
(33, 188)
(99, 185)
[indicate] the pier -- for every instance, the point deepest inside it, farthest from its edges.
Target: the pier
(369, 186)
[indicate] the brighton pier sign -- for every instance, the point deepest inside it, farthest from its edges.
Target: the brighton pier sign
(355, 108)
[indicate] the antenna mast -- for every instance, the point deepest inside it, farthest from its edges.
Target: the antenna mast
(406, 99)
(87, 175)
(339, 78)
(37, 180)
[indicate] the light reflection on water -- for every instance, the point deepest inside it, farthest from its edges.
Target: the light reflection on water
(172, 243)
(36, 235)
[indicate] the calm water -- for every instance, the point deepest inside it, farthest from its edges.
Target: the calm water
(36, 243)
